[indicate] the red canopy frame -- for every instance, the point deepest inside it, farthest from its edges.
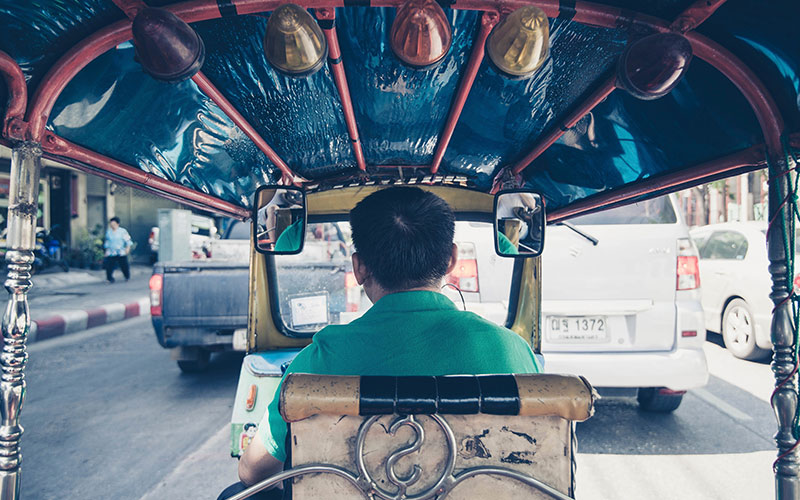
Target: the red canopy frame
(62, 72)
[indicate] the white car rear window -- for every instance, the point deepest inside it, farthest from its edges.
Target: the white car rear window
(656, 211)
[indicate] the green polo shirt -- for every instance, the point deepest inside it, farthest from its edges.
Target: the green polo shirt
(406, 333)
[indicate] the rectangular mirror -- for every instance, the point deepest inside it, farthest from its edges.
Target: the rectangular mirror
(519, 222)
(279, 220)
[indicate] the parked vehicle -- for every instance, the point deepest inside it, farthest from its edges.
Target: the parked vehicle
(204, 231)
(621, 302)
(736, 286)
(47, 252)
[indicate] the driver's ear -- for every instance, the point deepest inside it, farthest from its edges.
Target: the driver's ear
(359, 269)
(453, 259)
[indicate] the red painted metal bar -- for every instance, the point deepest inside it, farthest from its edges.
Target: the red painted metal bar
(225, 105)
(17, 95)
(327, 18)
(746, 160)
(131, 8)
(59, 146)
(488, 21)
(567, 123)
(695, 15)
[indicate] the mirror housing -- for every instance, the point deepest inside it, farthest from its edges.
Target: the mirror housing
(519, 220)
(279, 220)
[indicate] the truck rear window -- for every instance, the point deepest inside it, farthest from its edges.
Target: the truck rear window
(656, 211)
(317, 287)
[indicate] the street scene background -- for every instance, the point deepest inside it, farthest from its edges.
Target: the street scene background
(110, 415)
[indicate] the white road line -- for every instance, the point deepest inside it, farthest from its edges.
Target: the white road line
(721, 405)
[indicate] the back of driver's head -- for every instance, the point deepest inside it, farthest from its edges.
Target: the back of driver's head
(404, 236)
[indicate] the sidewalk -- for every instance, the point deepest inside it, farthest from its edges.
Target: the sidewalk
(63, 303)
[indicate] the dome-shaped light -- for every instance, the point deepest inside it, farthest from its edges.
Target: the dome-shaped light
(651, 67)
(421, 34)
(521, 42)
(294, 43)
(167, 48)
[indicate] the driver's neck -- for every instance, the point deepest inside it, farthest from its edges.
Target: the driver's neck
(376, 292)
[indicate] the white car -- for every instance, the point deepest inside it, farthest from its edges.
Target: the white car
(736, 285)
(621, 303)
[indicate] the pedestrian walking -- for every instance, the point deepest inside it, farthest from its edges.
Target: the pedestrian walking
(118, 245)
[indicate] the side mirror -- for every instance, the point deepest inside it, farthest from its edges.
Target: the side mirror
(519, 222)
(279, 220)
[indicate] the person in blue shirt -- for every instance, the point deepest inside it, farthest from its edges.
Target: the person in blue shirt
(117, 246)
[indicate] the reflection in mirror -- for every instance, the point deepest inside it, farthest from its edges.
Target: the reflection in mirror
(280, 220)
(519, 223)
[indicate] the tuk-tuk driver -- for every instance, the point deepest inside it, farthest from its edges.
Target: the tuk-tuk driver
(403, 238)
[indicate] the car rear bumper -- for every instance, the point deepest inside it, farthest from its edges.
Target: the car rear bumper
(678, 370)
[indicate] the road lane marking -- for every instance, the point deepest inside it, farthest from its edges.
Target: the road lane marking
(721, 405)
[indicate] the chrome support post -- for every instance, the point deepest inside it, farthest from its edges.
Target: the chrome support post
(784, 399)
(22, 210)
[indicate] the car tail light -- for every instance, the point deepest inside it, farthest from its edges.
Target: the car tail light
(465, 274)
(156, 294)
(352, 292)
(688, 272)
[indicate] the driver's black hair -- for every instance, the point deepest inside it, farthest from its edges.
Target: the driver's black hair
(404, 236)
(114, 219)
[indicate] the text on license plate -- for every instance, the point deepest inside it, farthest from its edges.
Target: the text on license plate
(576, 328)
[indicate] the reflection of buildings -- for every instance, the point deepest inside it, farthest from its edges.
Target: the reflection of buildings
(72, 204)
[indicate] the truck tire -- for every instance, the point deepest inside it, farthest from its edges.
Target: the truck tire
(197, 364)
(651, 399)
(739, 332)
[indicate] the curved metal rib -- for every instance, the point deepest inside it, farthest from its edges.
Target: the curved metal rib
(305, 469)
(500, 471)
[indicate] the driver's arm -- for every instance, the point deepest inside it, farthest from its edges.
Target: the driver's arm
(256, 463)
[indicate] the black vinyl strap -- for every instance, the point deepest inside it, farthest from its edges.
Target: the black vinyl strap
(356, 3)
(335, 61)
(499, 394)
(227, 8)
(416, 395)
(566, 9)
(459, 395)
(378, 395)
(450, 394)
(326, 24)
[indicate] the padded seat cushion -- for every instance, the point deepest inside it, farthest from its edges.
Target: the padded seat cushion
(566, 396)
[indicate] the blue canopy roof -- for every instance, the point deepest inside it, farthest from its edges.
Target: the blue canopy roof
(176, 132)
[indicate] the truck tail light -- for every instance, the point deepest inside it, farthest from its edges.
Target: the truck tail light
(465, 274)
(688, 271)
(156, 294)
(352, 292)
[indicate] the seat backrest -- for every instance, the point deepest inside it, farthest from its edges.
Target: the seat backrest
(486, 436)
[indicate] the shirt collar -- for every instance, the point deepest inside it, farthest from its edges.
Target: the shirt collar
(419, 300)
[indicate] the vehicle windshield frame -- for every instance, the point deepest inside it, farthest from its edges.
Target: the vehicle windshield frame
(274, 292)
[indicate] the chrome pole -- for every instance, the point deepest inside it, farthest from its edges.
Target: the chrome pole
(784, 399)
(22, 211)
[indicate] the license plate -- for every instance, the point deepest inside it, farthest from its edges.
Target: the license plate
(573, 328)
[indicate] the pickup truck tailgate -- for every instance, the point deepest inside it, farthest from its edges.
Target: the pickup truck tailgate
(207, 294)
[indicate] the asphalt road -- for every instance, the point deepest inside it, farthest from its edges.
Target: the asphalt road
(109, 415)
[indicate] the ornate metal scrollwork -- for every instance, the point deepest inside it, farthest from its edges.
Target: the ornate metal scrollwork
(370, 488)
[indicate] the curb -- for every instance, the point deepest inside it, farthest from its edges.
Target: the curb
(77, 321)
